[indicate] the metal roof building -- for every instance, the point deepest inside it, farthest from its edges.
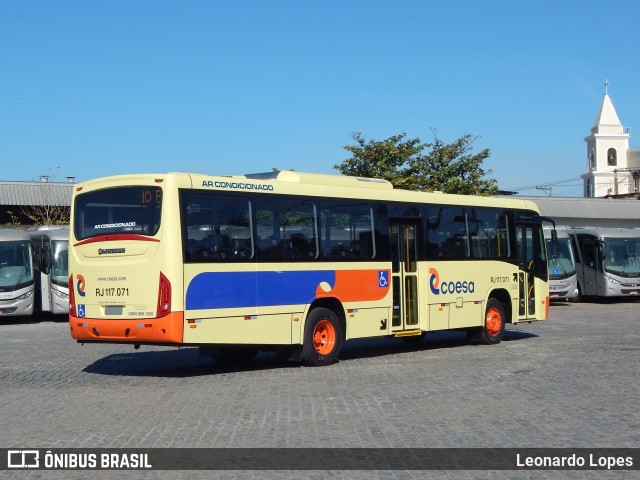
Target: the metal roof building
(35, 193)
(17, 196)
(589, 212)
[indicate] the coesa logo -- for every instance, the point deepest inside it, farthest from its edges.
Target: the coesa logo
(81, 285)
(453, 286)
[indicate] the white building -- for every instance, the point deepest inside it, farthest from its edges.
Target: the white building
(612, 167)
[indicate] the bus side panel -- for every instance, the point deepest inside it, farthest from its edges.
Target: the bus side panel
(242, 330)
(542, 299)
(456, 294)
(267, 307)
(368, 322)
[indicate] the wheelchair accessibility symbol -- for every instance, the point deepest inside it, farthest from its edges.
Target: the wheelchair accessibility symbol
(383, 279)
(81, 310)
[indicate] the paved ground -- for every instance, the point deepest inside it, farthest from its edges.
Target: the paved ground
(573, 381)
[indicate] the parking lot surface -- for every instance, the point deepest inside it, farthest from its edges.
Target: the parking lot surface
(572, 381)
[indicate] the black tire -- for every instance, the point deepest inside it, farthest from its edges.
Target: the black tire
(323, 337)
(493, 326)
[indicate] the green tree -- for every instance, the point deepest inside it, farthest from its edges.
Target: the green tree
(414, 165)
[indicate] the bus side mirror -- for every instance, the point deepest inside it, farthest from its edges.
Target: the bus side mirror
(45, 261)
(602, 250)
(554, 236)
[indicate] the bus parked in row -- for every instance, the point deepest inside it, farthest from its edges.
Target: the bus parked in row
(16, 273)
(51, 259)
(563, 280)
(607, 261)
(296, 263)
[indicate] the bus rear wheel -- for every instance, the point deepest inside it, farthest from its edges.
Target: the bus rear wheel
(322, 338)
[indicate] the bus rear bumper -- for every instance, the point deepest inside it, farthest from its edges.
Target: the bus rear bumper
(166, 330)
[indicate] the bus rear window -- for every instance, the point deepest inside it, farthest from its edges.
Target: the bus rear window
(118, 210)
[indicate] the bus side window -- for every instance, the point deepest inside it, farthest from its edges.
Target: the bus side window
(488, 233)
(346, 231)
(286, 229)
(447, 235)
(217, 227)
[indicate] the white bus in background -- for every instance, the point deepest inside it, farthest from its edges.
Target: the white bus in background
(563, 279)
(607, 261)
(16, 273)
(51, 260)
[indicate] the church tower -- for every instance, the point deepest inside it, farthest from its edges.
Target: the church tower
(608, 171)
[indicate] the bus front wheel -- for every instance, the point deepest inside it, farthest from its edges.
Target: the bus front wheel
(322, 338)
(493, 326)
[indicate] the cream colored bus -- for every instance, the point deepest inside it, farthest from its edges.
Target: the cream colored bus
(297, 263)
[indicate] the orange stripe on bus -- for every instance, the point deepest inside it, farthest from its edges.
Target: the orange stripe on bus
(356, 286)
(167, 329)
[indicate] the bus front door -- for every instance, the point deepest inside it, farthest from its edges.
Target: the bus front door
(591, 264)
(404, 276)
(526, 243)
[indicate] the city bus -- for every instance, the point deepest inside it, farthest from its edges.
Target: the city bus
(607, 261)
(16, 273)
(51, 259)
(563, 279)
(296, 263)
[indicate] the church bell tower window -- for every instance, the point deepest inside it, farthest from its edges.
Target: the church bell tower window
(612, 157)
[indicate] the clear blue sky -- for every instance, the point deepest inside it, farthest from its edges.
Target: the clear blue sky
(104, 87)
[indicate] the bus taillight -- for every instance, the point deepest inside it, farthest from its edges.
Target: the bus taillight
(72, 297)
(164, 296)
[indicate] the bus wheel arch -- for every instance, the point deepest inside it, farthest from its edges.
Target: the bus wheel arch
(324, 333)
(497, 314)
(580, 296)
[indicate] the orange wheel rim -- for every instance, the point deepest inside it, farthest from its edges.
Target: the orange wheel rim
(493, 321)
(324, 337)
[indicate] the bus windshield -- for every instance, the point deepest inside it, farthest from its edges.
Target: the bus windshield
(60, 262)
(561, 261)
(16, 268)
(622, 256)
(134, 210)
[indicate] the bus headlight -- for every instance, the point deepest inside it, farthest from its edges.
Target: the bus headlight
(62, 295)
(24, 296)
(614, 281)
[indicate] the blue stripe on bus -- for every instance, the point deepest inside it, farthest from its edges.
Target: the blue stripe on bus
(255, 289)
